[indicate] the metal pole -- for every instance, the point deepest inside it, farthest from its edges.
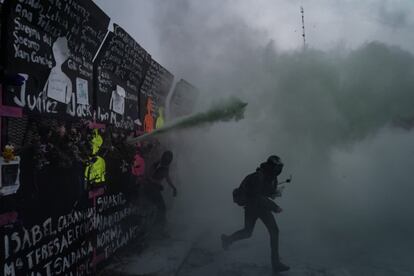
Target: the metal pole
(302, 11)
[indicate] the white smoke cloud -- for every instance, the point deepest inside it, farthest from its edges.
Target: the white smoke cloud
(327, 111)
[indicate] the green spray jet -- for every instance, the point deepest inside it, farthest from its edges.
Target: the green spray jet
(231, 109)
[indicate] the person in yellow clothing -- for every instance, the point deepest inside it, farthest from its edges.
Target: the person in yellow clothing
(160, 120)
(96, 168)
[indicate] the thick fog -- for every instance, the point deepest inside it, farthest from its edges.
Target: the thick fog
(332, 112)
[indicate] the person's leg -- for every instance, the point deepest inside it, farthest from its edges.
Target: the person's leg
(162, 208)
(250, 217)
(270, 223)
(156, 198)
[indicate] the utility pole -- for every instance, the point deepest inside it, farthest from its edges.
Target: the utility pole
(302, 11)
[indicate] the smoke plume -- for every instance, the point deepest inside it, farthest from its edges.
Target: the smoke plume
(229, 110)
(328, 111)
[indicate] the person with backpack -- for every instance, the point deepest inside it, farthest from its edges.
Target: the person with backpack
(254, 195)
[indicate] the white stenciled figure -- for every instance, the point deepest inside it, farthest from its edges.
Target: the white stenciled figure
(59, 85)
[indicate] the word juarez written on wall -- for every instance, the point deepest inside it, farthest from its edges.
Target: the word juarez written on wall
(230, 109)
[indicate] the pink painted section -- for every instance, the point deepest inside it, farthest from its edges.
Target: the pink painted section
(139, 165)
(9, 111)
(97, 192)
(8, 218)
(96, 125)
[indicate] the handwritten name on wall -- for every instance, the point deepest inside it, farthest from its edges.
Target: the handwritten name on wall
(120, 69)
(52, 44)
(71, 243)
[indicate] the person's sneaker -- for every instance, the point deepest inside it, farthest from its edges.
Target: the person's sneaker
(225, 242)
(280, 267)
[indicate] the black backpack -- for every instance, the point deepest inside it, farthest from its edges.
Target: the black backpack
(240, 195)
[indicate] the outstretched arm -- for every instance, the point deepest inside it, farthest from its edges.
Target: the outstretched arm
(172, 186)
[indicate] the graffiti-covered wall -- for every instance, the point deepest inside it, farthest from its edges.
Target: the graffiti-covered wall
(52, 45)
(120, 70)
(183, 99)
(72, 92)
(154, 91)
(74, 243)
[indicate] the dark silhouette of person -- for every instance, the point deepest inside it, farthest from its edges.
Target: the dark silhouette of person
(258, 187)
(159, 172)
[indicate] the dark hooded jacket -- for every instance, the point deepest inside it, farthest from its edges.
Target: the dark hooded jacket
(259, 186)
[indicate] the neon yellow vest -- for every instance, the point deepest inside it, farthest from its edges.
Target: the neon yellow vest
(160, 120)
(95, 172)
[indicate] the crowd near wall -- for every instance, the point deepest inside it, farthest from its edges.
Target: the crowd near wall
(71, 94)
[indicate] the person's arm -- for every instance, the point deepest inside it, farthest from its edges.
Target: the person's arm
(262, 200)
(269, 204)
(274, 192)
(171, 185)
